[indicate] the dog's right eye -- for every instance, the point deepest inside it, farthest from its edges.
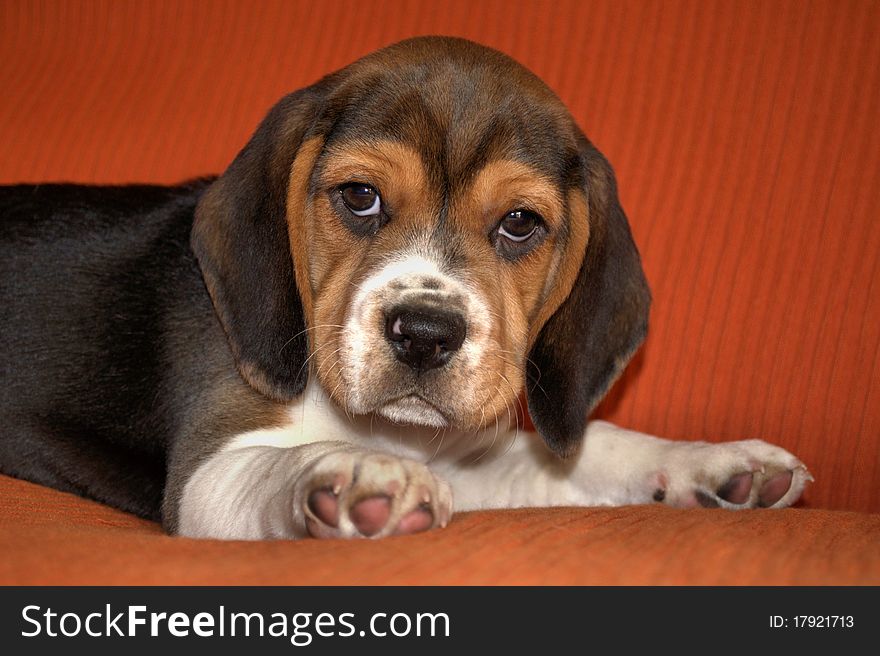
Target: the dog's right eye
(361, 199)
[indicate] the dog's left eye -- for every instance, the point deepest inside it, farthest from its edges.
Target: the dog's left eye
(518, 225)
(361, 199)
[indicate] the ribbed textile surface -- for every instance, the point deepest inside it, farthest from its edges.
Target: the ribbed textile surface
(743, 135)
(53, 538)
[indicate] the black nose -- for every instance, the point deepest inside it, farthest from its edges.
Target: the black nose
(424, 339)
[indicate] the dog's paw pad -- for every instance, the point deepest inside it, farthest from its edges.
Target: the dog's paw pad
(737, 489)
(363, 494)
(324, 505)
(417, 521)
(370, 515)
(775, 488)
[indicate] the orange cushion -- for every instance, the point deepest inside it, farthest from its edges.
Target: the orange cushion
(49, 537)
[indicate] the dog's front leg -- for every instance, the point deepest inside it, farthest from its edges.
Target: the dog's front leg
(322, 489)
(616, 467)
(639, 468)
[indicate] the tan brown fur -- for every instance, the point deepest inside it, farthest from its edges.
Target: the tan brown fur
(567, 266)
(298, 226)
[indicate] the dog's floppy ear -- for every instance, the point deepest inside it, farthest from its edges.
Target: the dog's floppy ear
(240, 239)
(586, 343)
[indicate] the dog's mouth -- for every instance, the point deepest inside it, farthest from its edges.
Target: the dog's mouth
(413, 409)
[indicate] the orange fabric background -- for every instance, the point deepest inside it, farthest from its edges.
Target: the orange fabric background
(744, 139)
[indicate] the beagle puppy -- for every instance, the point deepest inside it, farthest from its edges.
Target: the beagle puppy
(337, 337)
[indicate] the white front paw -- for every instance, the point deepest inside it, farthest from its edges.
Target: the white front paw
(347, 494)
(746, 474)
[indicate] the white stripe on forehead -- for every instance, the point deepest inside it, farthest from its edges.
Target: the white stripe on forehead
(414, 266)
(397, 269)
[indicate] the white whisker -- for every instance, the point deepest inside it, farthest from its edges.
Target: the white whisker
(301, 332)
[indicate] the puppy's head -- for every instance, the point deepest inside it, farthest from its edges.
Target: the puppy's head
(428, 232)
